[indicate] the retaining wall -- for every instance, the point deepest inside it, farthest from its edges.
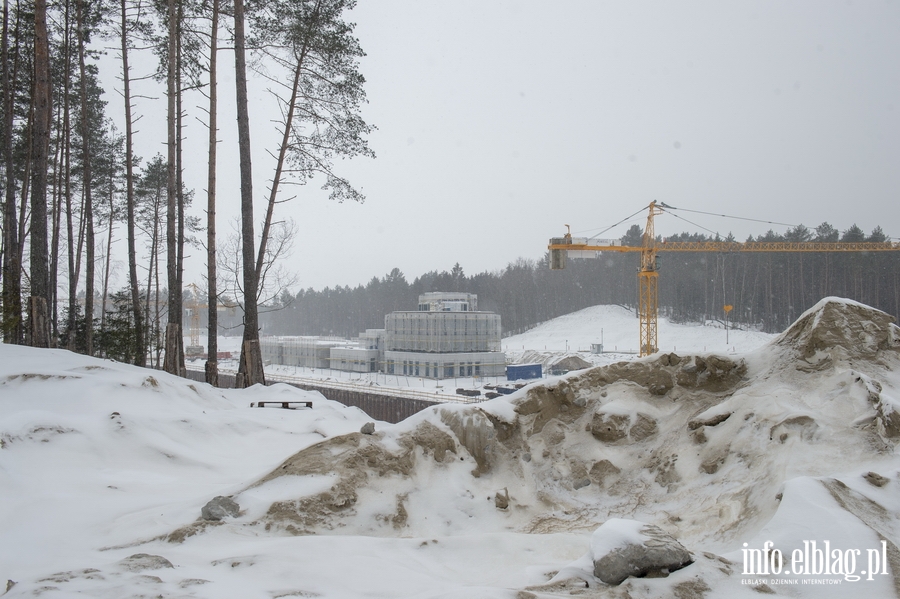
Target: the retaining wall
(377, 405)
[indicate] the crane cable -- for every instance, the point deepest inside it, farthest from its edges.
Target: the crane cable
(612, 226)
(669, 208)
(716, 233)
(755, 220)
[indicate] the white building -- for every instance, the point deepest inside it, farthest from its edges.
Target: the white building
(355, 359)
(446, 338)
(307, 352)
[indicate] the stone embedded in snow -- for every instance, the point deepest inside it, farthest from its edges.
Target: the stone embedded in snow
(875, 479)
(603, 471)
(368, 428)
(501, 499)
(612, 428)
(144, 561)
(219, 508)
(622, 548)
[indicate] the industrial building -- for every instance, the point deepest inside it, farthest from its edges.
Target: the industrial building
(367, 355)
(446, 337)
(306, 352)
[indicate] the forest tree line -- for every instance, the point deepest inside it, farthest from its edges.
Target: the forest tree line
(72, 181)
(768, 291)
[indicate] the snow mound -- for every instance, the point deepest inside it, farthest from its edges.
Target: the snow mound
(571, 363)
(701, 446)
(699, 434)
(836, 324)
(772, 450)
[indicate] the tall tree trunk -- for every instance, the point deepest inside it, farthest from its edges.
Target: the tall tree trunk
(88, 214)
(12, 267)
(56, 220)
(73, 262)
(40, 280)
(179, 185)
(26, 176)
(174, 359)
(212, 299)
(141, 354)
(57, 199)
(109, 238)
(154, 261)
(250, 371)
(157, 316)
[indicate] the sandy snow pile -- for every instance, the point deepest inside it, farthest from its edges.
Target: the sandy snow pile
(768, 451)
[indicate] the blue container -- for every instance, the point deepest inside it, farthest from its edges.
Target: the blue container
(518, 372)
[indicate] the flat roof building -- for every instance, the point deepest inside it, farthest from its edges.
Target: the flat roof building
(446, 337)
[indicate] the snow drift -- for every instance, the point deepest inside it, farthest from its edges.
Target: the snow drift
(790, 444)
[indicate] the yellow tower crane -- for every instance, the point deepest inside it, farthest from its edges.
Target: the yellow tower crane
(648, 305)
(194, 306)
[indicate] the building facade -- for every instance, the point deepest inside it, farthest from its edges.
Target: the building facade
(447, 337)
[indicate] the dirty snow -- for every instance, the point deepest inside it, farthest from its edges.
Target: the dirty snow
(104, 469)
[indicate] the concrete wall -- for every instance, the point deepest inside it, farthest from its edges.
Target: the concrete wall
(355, 359)
(379, 406)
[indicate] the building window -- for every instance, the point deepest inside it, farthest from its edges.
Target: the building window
(469, 369)
(477, 369)
(417, 369)
(448, 371)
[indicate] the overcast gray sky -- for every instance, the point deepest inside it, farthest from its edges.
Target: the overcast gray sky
(501, 121)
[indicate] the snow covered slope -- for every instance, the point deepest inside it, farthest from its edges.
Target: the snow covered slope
(791, 443)
(617, 329)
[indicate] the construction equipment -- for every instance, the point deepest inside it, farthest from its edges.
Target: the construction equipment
(194, 306)
(648, 309)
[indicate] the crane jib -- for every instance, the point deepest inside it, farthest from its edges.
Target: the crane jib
(735, 246)
(562, 248)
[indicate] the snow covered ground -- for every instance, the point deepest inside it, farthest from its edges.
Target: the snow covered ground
(616, 328)
(104, 469)
(548, 343)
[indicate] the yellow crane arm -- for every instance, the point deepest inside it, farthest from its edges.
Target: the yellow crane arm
(561, 247)
(559, 244)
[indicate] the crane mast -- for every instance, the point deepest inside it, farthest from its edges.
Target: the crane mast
(648, 274)
(648, 279)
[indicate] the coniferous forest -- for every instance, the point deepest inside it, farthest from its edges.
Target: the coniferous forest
(767, 290)
(74, 185)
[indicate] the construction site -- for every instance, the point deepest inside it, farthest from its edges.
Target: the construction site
(447, 337)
